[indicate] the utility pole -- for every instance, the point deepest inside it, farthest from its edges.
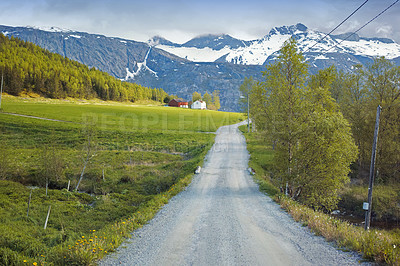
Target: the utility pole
(248, 113)
(372, 171)
(1, 90)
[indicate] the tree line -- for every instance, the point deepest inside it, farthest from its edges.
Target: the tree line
(321, 126)
(212, 100)
(28, 67)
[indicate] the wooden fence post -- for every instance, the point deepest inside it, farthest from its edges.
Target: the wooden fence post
(47, 218)
(29, 203)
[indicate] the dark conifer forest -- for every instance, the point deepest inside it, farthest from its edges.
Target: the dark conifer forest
(28, 68)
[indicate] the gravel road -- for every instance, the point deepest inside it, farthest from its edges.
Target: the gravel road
(223, 219)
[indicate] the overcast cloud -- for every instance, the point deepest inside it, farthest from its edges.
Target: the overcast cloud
(181, 20)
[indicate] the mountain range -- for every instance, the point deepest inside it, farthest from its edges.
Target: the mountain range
(207, 62)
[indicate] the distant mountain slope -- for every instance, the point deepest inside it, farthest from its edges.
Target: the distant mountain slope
(205, 63)
(28, 67)
(216, 42)
(259, 52)
(142, 63)
(117, 56)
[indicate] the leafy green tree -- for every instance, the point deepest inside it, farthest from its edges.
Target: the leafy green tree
(167, 99)
(325, 151)
(245, 90)
(258, 109)
(382, 83)
(285, 82)
(313, 143)
(196, 96)
(208, 99)
(215, 100)
(358, 94)
(351, 96)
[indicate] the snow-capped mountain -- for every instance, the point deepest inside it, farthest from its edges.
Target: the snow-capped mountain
(258, 52)
(215, 42)
(205, 63)
(205, 48)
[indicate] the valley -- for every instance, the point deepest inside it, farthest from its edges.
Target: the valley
(139, 157)
(90, 152)
(205, 63)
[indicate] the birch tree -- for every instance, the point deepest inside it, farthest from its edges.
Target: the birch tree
(313, 143)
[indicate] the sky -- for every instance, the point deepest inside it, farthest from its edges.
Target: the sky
(181, 20)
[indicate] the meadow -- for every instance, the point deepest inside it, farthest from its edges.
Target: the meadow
(130, 158)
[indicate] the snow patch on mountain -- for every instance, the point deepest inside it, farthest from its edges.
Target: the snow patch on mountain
(140, 67)
(373, 48)
(258, 51)
(321, 57)
(196, 54)
(50, 29)
(208, 48)
(129, 75)
(308, 42)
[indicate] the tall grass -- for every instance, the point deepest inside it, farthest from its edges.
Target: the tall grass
(375, 245)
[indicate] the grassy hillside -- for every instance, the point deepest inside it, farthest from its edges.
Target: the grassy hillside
(139, 157)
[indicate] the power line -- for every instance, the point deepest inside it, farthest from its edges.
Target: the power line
(340, 24)
(363, 26)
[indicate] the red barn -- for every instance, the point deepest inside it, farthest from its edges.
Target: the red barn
(178, 103)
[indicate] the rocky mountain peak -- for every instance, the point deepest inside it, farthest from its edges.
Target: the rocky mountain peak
(158, 40)
(215, 41)
(288, 30)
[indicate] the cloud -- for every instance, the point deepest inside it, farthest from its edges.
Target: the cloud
(385, 30)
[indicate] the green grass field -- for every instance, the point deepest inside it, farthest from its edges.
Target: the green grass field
(140, 156)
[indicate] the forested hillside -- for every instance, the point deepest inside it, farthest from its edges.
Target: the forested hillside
(27, 67)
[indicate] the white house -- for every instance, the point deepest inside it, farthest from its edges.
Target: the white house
(199, 105)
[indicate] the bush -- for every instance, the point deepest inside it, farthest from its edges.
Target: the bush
(384, 201)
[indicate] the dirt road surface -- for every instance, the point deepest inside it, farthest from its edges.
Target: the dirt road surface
(223, 219)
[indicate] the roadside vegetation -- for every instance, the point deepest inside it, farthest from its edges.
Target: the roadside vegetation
(131, 160)
(312, 146)
(375, 245)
